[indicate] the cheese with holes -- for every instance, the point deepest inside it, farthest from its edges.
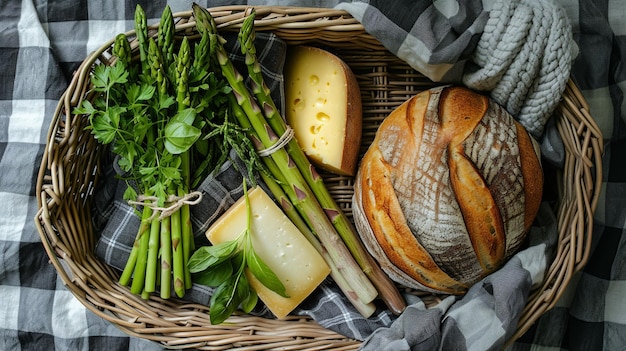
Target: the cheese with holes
(279, 244)
(323, 106)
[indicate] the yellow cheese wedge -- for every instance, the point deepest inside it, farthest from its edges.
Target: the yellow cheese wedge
(323, 106)
(279, 244)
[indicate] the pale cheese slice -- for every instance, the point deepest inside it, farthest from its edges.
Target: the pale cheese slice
(323, 106)
(279, 244)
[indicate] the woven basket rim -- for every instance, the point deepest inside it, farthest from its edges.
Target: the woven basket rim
(68, 238)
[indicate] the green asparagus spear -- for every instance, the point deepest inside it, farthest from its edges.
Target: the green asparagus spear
(121, 49)
(141, 30)
(182, 75)
(139, 272)
(129, 268)
(166, 258)
(388, 291)
(165, 36)
(180, 219)
(278, 189)
(153, 254)
(202, 54)
(157, 72)
(303, 197)
(187, 239)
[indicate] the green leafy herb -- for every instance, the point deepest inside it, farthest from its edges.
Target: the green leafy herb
(180, 133)
(157, 114)
(223, 266)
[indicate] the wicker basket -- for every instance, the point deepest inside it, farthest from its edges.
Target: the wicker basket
(70, 169)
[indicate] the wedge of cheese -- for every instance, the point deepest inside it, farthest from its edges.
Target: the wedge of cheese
(323, 106)
(279, 244)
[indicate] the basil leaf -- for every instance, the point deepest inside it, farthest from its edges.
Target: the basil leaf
(202, 146)
(186, 116)
(224, 301)
(215, 275)
(225, 249)
(207, 256)
(264, 273)
(247, 295)
(179, 136)
(200, 260)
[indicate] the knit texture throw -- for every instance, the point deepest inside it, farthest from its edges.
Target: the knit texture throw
(524, 59)
(520, 52)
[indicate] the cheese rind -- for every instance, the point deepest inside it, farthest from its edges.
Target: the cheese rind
(323, 106)
(279, 244)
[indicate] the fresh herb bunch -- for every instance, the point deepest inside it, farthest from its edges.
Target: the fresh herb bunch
(223, 266)
(167, 119)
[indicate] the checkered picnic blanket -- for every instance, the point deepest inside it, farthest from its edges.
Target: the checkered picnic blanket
(42, 43)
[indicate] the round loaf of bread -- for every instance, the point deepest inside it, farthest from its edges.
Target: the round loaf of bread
(447, 191)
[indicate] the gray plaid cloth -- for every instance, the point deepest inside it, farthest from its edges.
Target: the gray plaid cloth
(43, 42)
(519, 51)
(498, 299)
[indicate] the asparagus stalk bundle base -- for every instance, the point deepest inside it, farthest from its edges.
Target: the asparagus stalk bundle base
(152, 113)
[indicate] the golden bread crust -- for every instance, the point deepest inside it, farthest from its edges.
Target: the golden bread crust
(437, 192)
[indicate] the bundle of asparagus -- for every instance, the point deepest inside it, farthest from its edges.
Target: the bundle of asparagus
(295, 182)
(153, 115)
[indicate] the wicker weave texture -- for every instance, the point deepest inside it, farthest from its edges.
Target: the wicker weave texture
(70, 170)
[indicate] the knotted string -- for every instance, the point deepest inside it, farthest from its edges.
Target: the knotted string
(282, 142)
(176, 202)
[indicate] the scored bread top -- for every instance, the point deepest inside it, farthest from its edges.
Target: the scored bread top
(447, 189)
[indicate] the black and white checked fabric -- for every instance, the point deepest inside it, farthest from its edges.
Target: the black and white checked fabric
(41, 44)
